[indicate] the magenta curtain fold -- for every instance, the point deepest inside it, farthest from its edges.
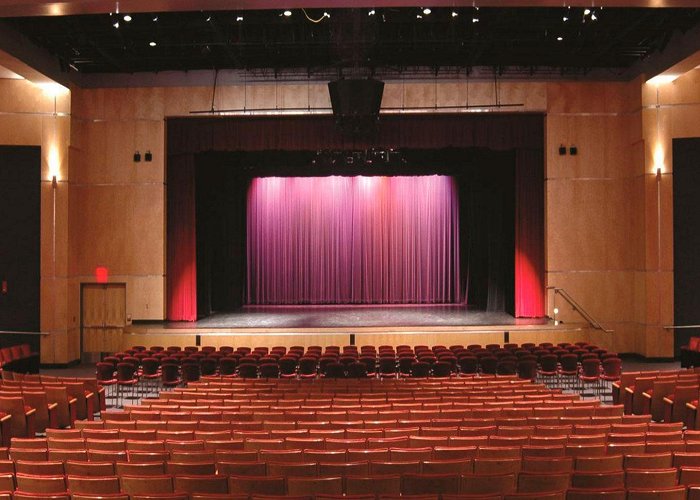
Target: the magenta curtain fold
(353, 240)
(181, 238)
(529, 234)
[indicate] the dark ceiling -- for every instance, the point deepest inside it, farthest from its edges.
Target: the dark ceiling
(353, 40)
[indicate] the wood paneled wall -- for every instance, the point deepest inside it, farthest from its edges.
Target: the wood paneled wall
(601, 228)
(31, 117)
(668, 111)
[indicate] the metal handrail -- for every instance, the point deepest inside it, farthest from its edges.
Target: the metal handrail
(22, 333)
(681, 327)
(577, 307)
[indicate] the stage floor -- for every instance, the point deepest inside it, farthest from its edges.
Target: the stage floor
(280, 317)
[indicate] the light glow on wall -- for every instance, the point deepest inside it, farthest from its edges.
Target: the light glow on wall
(54, 163)
(52, 89)
(659, 157)
(662, 79)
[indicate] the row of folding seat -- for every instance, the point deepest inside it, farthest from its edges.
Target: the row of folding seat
(472, 438)
(172, 429)
(407, 484)
(251, 453)
(516, 407)
(305, 384)
(529, 406)
(444, 399)
(449, 414)
(340, 384)
(309, 465)
(392, 394)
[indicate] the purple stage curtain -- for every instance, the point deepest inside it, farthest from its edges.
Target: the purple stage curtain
(529, 234)
(181, 238)
(349, 240)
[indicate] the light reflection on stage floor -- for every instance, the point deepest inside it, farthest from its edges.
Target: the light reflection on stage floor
(355, 316)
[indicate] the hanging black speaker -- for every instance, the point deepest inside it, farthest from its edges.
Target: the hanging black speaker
(356, 104)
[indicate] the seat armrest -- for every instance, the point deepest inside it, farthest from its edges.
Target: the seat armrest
(73, 410)
(53, 415)
(90, 404)
(5, 429)
(31, 424)
(102, 403)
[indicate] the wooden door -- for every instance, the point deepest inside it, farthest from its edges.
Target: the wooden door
(103, 317)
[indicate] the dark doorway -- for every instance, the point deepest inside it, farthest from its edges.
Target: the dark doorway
(686, 238)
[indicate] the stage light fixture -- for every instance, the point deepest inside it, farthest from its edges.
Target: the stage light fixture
(586, 12)
(427, 11)
(155, 19)
(371, 12)
(208, 19)
(418, 16)
(127, 18)
(239, 19)
(565, 18)
(594, 17)
(455, 13)
(287, 13)
(116, 24)
(560, 38)
(152, 44)
(475, 19)
(326, 15)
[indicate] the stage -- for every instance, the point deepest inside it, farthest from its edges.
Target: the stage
(353, 316)
(359, 324)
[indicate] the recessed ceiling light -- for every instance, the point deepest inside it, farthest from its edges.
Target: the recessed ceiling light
(127, 18)
(208, 19)
(155, 19)
(560, 38)
(371, 12)
(239, 18)
(427, 11)
(565, 18)
(418, 16)
(475, 19)
(586, 12)
(287, 13)
(115, 24)
(152, 44)
(455, 13)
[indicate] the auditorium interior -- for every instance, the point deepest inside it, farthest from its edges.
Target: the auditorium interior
(350, 249)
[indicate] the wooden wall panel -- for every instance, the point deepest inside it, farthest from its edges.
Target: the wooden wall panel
(120, 226)
(589, 224)
(20, 130)
(603, 143)
(589, 97)
(109, 151)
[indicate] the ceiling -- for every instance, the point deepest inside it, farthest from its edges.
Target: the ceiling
(351, 41)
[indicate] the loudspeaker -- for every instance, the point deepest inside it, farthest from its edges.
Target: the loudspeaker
(356, 104)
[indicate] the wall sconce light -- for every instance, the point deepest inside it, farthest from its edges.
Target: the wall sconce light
(556, 311)
(573, 150)
(658, 173)
(148, 156)
(54, 182)
(137, 157)
(562, 150)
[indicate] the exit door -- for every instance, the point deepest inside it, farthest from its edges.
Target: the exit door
(103, 317)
